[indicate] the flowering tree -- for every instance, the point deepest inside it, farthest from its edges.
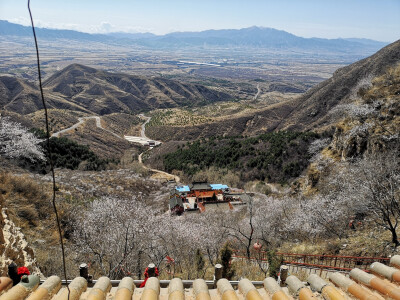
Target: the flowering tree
(319, 216)
(122, 235)
(16, 141)
(215, 234)
(373, 184)
(113, 232)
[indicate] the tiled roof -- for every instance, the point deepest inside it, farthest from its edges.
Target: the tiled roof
(381, 283)
(200, 186)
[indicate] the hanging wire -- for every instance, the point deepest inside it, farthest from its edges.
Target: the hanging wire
(49, 150)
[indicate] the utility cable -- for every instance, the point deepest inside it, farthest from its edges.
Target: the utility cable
(49, 150)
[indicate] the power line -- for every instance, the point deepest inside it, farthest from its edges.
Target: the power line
(48, 148)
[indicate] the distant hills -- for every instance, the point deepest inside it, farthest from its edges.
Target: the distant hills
(260, 38)
(85, 89)
(252, 37)
(11, 29)
(310, 111)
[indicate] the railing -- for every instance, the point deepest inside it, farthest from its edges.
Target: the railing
(316, 261)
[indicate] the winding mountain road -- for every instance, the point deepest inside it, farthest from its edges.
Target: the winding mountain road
(142, 136)
(258, 92)
(80, 122)
(142, 131)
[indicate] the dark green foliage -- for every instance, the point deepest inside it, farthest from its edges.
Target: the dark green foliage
(274, 263)
(67, 154)
(226, 256)
(277, 156)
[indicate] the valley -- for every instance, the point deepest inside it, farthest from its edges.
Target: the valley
(308, 131)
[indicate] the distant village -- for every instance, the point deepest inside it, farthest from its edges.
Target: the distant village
(198, 195)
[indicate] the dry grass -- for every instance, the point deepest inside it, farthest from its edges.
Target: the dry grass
(27, 200)
(58, 118)
(177, 117)
(368, 239)
(101, 142)
(385, 86)
(122, 124)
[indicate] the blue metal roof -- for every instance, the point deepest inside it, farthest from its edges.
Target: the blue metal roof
(186, 188)
(219, 186)
(182, 188)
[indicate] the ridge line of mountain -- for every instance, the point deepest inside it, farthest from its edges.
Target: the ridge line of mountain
(81, 88)
(258, 37)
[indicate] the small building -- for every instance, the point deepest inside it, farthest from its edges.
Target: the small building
(200, 193)
(203, 192)
(176, 205)
(200, 186)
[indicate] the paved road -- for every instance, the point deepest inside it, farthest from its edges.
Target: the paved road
(258, 92)
(80, 122)
(143, 136)
(142, 139)
(142, 131)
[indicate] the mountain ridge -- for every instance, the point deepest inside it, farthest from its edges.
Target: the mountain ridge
(82, 88)
(258, 37)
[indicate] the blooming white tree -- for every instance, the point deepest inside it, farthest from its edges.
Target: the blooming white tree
(16, 141)
(373, 185)
(123, 235)
(113, 232)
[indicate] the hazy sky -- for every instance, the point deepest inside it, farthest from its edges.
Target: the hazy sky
(375, 19)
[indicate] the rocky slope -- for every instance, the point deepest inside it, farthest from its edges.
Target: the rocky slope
(13, 245)
(312, 109)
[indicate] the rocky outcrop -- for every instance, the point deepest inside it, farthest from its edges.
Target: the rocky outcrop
(13, 245)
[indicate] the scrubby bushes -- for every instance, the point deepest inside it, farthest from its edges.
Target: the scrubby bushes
(67, 154)
(275, 156)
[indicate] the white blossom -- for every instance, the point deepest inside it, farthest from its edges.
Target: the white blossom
(16, 141)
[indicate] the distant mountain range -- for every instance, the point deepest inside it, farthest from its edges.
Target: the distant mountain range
(252, 37)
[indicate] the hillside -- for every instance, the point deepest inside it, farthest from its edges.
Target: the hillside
(356, 112)
(85, 89)
(18, 95)
(310, 111)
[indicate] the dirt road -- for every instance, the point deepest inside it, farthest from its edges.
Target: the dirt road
(80, 122)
